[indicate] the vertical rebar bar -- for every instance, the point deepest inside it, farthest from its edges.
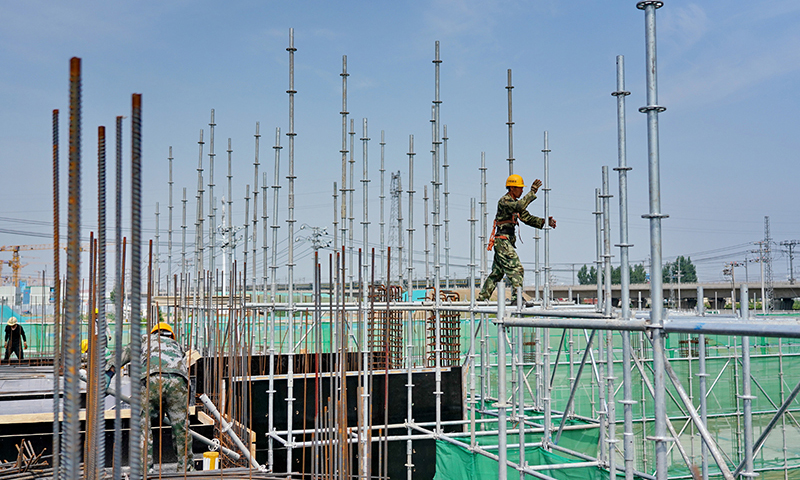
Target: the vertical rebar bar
(119, 314)
(57, 308)
(102, 338)
(625, 300)
(72, 442)
(135, 452)
(656, 293)
(290, 263)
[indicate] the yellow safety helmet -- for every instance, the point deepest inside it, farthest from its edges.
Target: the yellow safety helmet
(163, 326)
(515, 180)
(84, 345)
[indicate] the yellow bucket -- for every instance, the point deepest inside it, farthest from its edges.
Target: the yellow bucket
(210, 460)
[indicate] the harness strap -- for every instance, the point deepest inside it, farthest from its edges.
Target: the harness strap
(514, 219)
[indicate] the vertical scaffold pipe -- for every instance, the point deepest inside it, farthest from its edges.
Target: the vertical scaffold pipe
(344, 151)
(273, 294)
(57, 310)
(410, 314)
(264, 248)
(546, 189)
(156, 263)
(118, 311)
(484, 264)
(135, 452)
(169, 235)
(445, 169)
(365, 198)
(436, 241)
(747, 394)
(471, 356)
(426, 223)
(510, 124)
(350, 211)
(656, 293)
(383, 201)
(198, 238)
(229, 224)
(625, 294)
(255, 206)
(102, 338)
(606, 243)
(502, 440)
(598, 223)
(290, 263)
(212, 206)
(702, 375)
(72, 442)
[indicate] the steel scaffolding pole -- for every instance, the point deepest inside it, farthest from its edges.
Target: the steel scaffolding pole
(625, 300)
(410, 317)
(212, 207)
(290, 262)
(598, 220)
(546, 234)
(656, 292)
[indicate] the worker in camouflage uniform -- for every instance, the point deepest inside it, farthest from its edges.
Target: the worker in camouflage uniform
(511, 209)
(165, 388)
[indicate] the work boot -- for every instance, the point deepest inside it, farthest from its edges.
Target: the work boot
(482, 297)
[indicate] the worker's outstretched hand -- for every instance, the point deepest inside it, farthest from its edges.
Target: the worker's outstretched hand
(536, 185)
(552, 222)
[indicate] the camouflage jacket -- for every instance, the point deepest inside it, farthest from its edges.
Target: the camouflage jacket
(165, 356)
(507, 207)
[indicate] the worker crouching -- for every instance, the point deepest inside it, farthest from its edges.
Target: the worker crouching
(164, 390)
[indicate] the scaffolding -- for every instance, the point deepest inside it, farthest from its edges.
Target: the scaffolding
(701, 395)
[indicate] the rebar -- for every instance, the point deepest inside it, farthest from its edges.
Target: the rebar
(120, 294)
(102, 338)
(71, 455)
(135, 453)
(57, 308)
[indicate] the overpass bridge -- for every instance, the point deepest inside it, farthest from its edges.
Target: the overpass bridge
(717, 294)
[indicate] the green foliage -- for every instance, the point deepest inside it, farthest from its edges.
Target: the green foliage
(681, 268)
(796, 305)
(587, 276)
(638, 274)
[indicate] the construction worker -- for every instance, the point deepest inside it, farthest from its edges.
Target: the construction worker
(511, 209)
(165, 388)
(15, 339)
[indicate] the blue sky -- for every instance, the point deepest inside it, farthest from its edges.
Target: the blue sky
(728, 75)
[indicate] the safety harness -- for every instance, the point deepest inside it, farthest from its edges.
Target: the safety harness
(514, 220)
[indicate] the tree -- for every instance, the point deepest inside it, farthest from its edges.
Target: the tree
(587, 276)
(638, 274)
(681, 268)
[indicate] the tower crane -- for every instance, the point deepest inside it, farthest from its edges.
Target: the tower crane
(15, 263)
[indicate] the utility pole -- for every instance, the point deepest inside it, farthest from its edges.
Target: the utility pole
(790, 244)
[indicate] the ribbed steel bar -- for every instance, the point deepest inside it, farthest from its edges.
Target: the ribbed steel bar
(623, 168)
(57, 307)
(119, 296)
(102, 338)
(410, 314)
(290, 262)
(72, 442)
(546, 234)
(135, 453)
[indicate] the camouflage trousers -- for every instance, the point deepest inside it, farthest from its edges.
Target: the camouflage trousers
(506, 263)
(167, 395)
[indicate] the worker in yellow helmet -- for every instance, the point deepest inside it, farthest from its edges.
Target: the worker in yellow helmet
(511, 209)
(165, 388)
